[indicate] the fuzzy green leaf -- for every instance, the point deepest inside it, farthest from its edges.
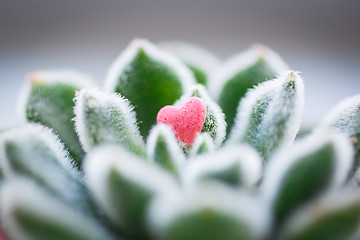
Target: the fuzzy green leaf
(49, 100)
(345, 117)
(163, 149)
(210, 212)
(241, 72)
(200, 61)
(309, 168)
(203, 144)
(103, 118)
(124, 185)
(236, 165)
(35, 152)
(270, 115)
(335, 216)
(150, 78)
(29, 212)
(214, 123)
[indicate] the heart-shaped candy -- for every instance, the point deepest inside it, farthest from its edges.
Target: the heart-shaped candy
(186, 121)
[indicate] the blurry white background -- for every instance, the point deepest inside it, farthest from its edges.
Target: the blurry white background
(317, 37)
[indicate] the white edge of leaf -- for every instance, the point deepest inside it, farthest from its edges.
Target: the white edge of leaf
(340, 110)
(240, 62)
(242, 119)
(21, 193)
(199, 140)
(333, 201)
(71, 77)
(271, 89)
(171, 141)
(119, 65)
(100, 100)
(284, 159)
(213, 107)
(248, 159)
(238, 204)
(100, 161)
(294, 122)
(31, 131)
(193, 55)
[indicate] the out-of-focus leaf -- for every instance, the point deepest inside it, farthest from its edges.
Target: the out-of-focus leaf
(30, 213)
(200, 61)
(163, 149)
(236, 165)
(203, 144)
(210, 212)
(299, 174)
(124, 185)
(345, 117)
(335, 216)
(48, 99)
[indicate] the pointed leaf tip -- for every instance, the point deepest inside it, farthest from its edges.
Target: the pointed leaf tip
(238, 165)
(104, 118)
(203, 144)
(200, 61)
(163, 149)
(124, 185)
(47, 98)
(150, 78)
(231, 81)
(270, 115)
(209, 212)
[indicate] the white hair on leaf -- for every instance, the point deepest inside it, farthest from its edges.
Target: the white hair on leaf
(193, 55)
(240, 62)
(113, 129)
(73, 78)
(119, 65)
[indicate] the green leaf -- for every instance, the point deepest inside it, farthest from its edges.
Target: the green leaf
(335, 216)
(124, 185)
(270, 115)
(345, 117)
(150, 78)
(210, 212)
(104, 118)
(200, 76)
(236, 165)
(29, 212)
(163, 149)
(203, 144)
(33, 151)
(49, 100)
(309, 168)
(214, 123)
(200, 61)
(240, 73)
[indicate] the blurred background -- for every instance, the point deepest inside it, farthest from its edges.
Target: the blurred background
(317, 37)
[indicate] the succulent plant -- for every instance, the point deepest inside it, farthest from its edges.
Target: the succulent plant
(221, 163)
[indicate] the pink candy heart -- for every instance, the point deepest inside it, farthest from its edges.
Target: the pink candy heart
(186, 121)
